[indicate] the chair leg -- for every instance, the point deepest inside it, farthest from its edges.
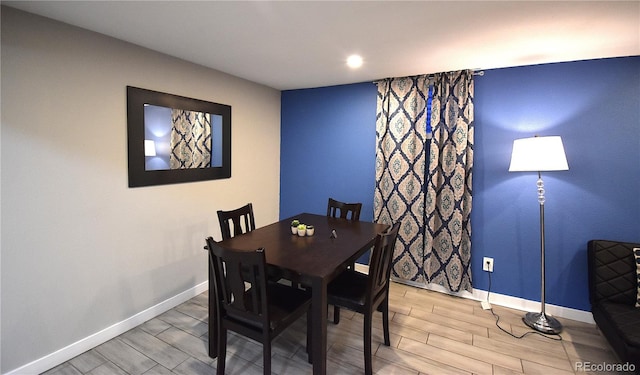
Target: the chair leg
(222, 351)
(336, 314)
(385, 322)
(309, 331)
(368, 316)
(266, 353)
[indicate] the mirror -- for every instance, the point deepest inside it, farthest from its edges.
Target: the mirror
(174, 139)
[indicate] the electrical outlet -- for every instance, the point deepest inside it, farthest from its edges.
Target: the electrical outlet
(487, 264)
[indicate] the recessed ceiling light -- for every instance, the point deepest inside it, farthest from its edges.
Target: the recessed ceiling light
(354, 61)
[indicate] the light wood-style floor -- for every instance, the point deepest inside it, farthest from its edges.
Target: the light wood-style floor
(431, 333)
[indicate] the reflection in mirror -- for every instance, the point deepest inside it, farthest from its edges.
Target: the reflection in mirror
(175, 139)
(149, 148)
(181, 139)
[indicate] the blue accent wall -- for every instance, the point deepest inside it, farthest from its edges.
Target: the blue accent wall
(593, 105)
(328, 148)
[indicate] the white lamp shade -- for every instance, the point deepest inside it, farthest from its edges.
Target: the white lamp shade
(538, 154)
(149, 148)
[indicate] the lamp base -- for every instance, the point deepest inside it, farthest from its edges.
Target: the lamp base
(543, 323)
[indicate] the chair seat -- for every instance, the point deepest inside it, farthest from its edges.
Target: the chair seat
(348, 290)
(286, 304)
(626, 319)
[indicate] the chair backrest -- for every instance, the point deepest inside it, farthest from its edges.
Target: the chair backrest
(342, 210)
(380, 262)
(240, 283)
(241, 218)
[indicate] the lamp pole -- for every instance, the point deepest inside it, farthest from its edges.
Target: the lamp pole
(540, 321)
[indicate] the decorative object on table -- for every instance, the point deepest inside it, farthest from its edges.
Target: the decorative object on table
(294, 226)
(302, 230)
(310, 230)
(538, 154)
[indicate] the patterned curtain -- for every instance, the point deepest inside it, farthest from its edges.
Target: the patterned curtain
(434, 203)
(190, 139)
(401, 154)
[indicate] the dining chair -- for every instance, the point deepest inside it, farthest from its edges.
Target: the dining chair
(366, 294)
(249, 304)
(349, 211)
(241, 219)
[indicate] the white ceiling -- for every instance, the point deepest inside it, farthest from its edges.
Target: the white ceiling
(302, 44)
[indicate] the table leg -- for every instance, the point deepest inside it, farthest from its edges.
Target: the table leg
(319, 334)
(213, 326)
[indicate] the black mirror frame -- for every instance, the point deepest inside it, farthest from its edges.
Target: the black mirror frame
(138, 175)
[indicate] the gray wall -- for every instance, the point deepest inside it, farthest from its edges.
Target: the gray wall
(80, 250)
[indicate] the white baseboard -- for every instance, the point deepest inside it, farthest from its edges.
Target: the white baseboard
(534, 306)
(62, 355)
(504, 300)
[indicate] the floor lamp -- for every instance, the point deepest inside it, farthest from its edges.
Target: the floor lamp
(539, 154)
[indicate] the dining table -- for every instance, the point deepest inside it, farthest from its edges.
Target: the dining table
(310, 261)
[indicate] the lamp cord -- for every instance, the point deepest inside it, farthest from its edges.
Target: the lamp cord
(554, 338)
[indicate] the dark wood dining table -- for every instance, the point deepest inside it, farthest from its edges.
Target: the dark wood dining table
(312, 261)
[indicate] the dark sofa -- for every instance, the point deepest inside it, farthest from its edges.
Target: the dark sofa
(613, 293)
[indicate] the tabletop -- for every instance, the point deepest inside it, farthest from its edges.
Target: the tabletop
(318, 255)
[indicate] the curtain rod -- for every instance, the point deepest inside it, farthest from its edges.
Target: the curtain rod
(479, 73)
